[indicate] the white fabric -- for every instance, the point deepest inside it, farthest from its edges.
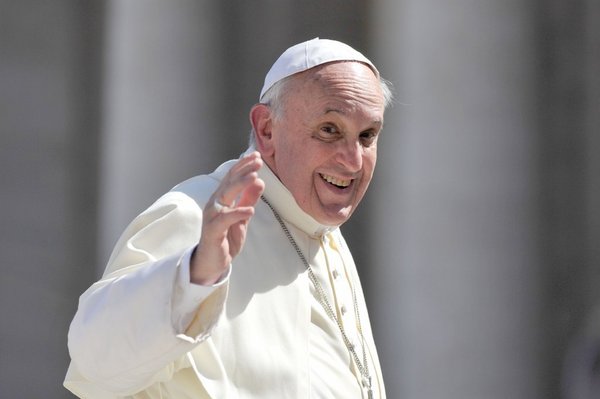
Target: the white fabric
(336, 279)
(309, 54)
(259, 333)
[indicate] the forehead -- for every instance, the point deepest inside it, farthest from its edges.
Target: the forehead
(342, 86)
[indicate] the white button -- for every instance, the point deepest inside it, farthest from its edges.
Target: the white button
(335, 273)
(343, 309)
(333, 245)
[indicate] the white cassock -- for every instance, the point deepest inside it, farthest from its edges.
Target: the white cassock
(144, 331)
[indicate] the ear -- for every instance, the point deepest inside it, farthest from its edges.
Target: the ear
(260, 118)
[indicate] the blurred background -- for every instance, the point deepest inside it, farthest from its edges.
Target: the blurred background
(478, 243)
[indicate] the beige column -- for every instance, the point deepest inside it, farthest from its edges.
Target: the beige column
(161, 85)
(455, 273)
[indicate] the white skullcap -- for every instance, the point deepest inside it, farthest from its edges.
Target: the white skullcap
(309, 54)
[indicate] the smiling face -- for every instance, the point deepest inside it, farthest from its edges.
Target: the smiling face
(323, 146)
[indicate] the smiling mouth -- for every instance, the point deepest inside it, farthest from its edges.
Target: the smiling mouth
(334, 181)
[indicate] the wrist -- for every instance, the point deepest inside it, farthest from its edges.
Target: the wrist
(204, 273)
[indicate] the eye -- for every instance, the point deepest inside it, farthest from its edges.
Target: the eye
(329, 132)
(368, 137)
(329, 129)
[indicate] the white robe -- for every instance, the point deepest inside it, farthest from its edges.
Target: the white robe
(259, 333)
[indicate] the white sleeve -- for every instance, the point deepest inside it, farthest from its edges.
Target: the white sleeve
(130, 328)
(187, 296)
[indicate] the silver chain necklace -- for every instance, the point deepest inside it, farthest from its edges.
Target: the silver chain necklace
(363, 366)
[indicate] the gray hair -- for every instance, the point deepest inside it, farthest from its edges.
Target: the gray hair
(275, 99)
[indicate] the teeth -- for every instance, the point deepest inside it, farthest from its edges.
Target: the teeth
(334, 181)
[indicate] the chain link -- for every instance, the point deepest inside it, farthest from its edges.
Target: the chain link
(363, 366)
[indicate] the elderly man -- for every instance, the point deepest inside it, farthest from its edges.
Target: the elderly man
(239, 284)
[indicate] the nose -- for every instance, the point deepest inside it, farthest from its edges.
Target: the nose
(350, 155)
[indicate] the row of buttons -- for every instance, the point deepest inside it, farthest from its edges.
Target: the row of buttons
(342, 289)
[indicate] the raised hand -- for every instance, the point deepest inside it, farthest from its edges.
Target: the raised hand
(225, 220)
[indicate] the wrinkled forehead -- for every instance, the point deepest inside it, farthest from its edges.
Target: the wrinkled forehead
(346, 89)
(353, 81)
(327, 77)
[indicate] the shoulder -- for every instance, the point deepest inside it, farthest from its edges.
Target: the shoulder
(199, 188)
(177, 212)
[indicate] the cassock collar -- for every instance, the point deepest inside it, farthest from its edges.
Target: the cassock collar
(284, 203)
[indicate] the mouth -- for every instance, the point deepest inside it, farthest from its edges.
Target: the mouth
(339, 183)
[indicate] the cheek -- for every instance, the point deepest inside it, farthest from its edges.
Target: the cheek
(305, 177)
(368, 169)
(296, 173)
(369, 160)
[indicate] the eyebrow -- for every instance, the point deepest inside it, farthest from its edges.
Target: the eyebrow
(341, 112)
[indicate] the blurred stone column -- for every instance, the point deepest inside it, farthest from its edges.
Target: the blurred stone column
(161, 82)
(456, 311)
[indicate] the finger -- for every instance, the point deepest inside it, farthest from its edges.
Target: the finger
(242, 176)
(246, 164)
(216, 227)
(252, 192)
(236, 237)
(227, 193)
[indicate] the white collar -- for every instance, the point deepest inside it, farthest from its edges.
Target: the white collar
(284, 203)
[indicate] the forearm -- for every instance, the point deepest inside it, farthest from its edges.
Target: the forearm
(124, 335)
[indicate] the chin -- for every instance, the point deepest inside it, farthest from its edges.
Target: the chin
(335, 218)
